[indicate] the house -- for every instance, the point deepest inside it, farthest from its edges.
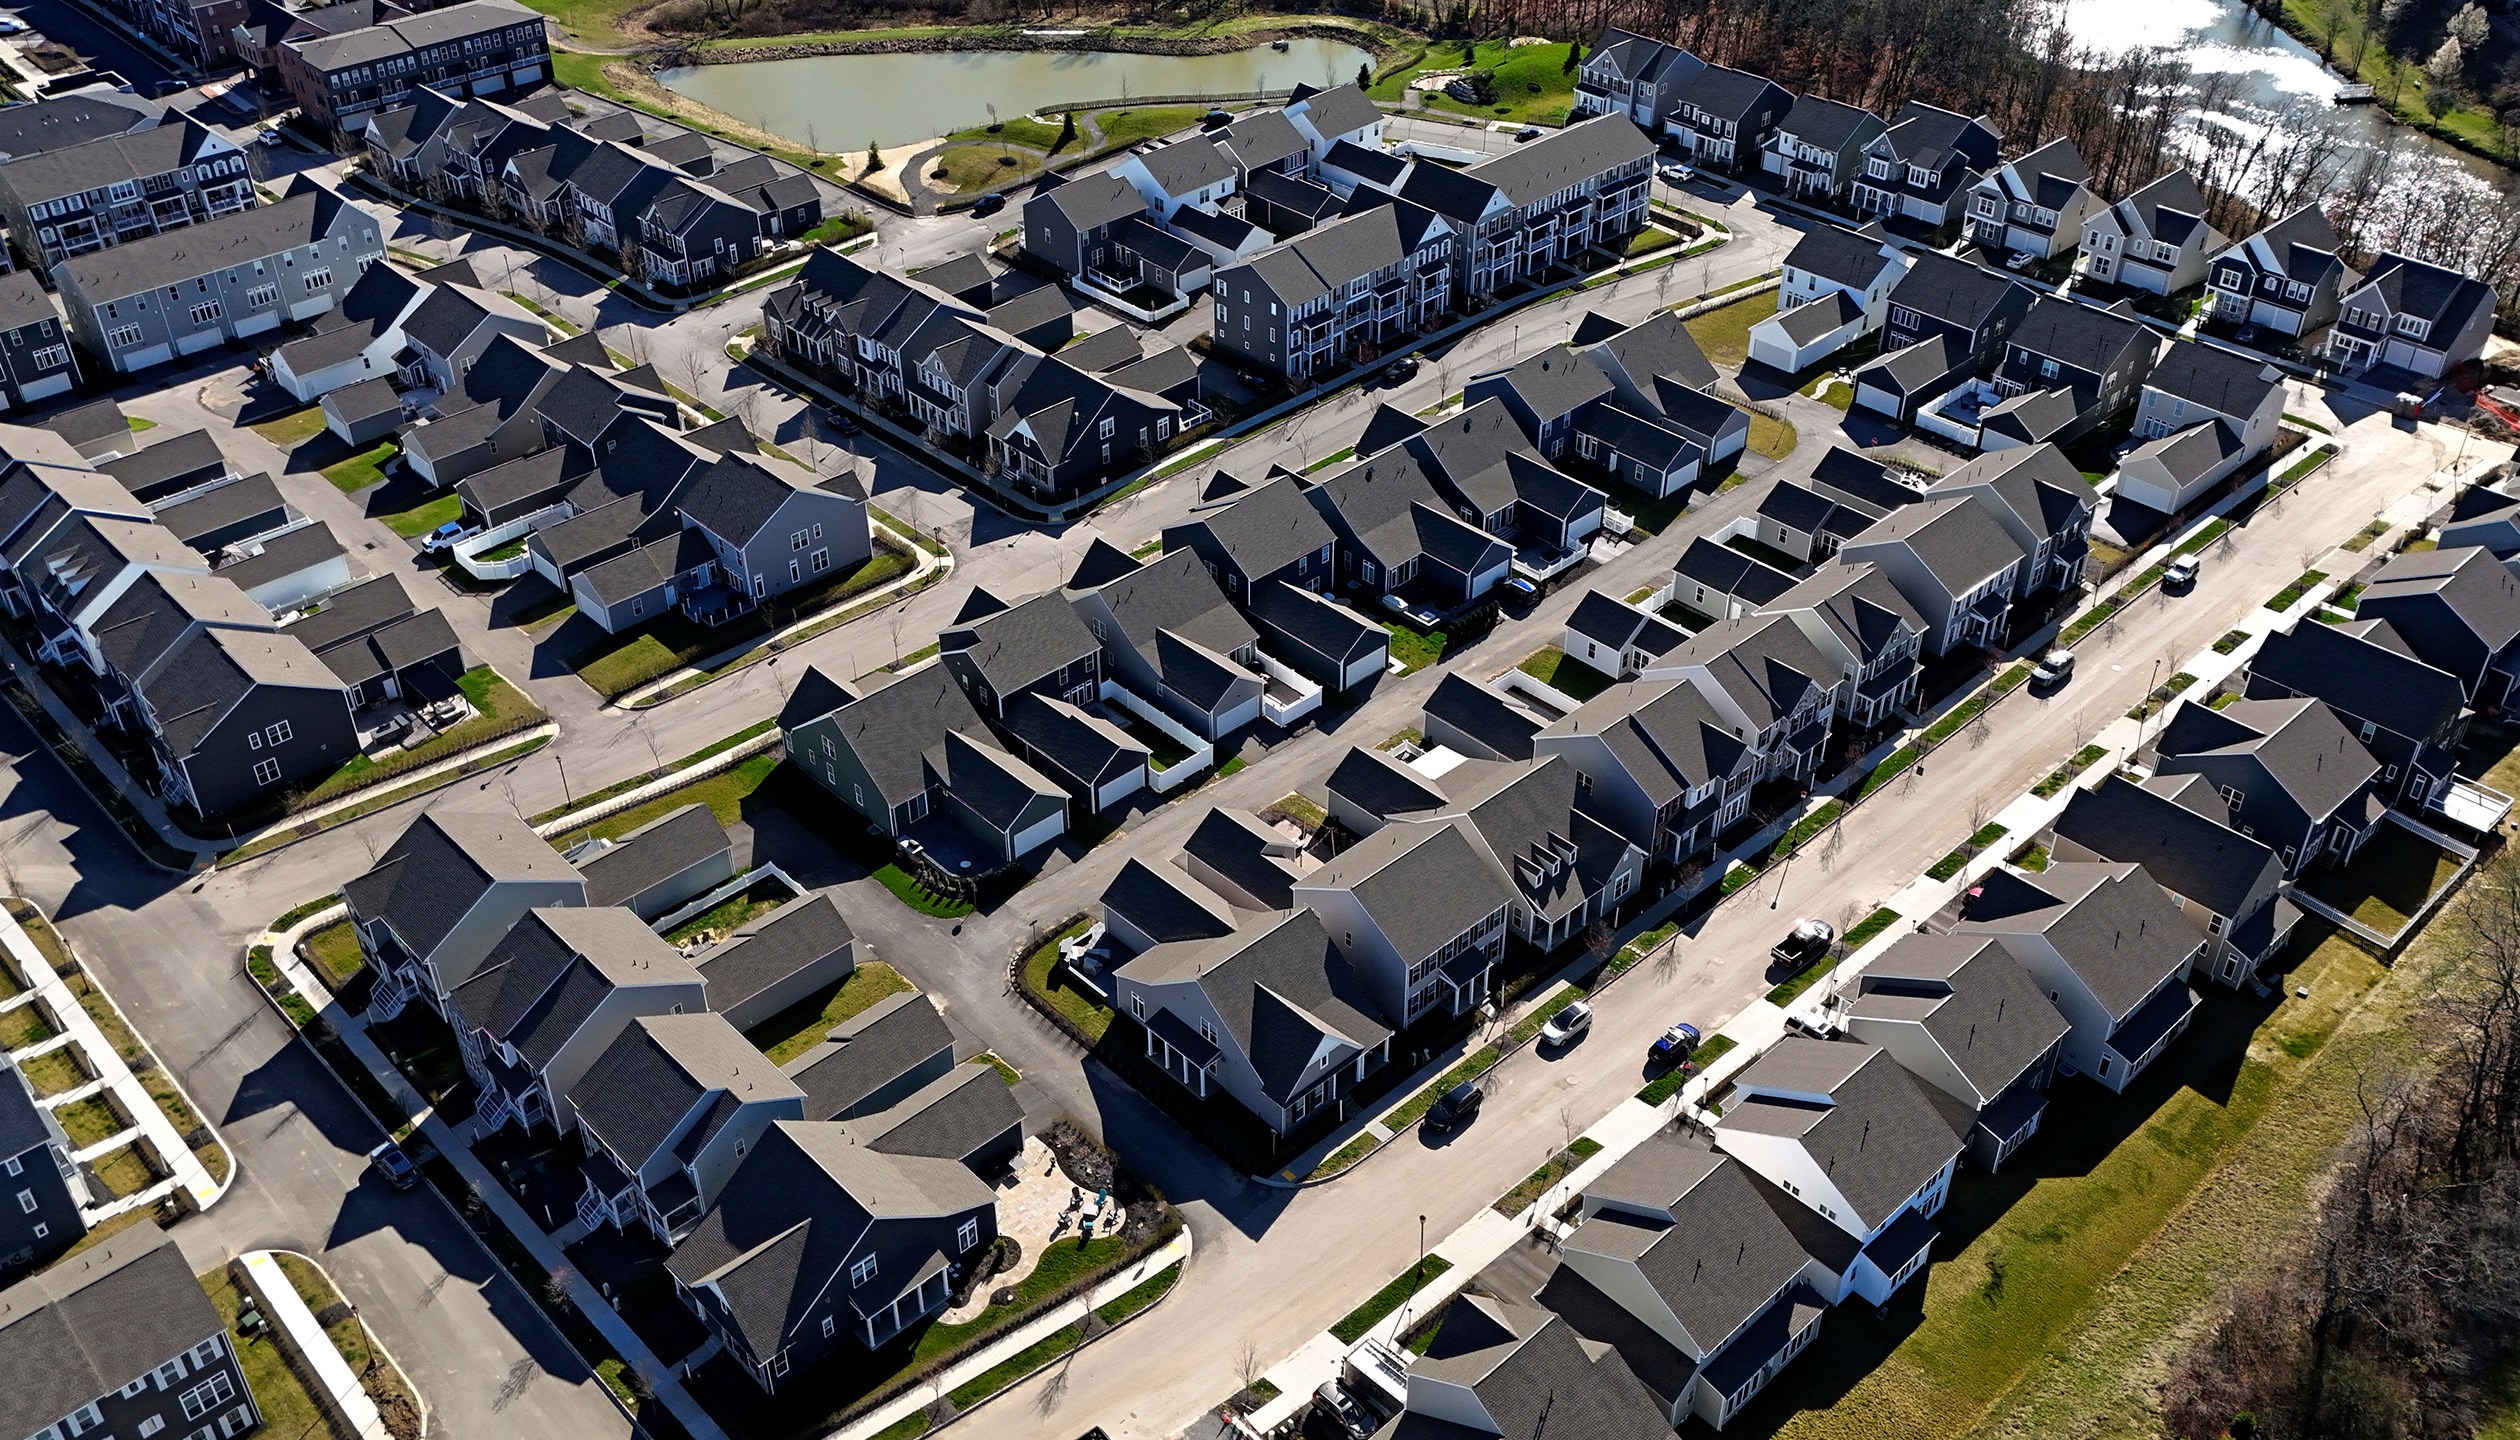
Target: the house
(1846, 1131)
(1923, 164)
(35, 363)
(2228, 885)
(358, 339)
(1416, 915)
(1619, 639)
(892, 755)
(1068, 226)
(1960, 1015)
(666, 1110)
(149, 300)
(36, 1172)
(443, 894)
(1395, 530)
(551, 996)
(1517, 215)
(1485, 466)
(1811, 519)
(1954, 562)
(2155, 240)
(659, 867)
(2110, 950)
(2457, 610)
(170, 467)
(1149, 905)
(1626, 73)
(2202, 414)
(69, 201)
(1668, 763)
(1779, 678)
(2485, 516)
(96, 431)
(1678, 1265)
(1495, 1368)
(380, 644)
(477, 47)
(997, 652)
(1876, 629)
(2410, 715)
(1337, 294)
(741, 530)
(1723, 118)
(776, 960)
(1339, 115)
(2291, 774)
(1817, 147)
(1270, 1014)
(1264, 142)
(238, 717)
(451, 325)
(1169, 634)
(1835, 291)
(1478, 720)
(118, 1340)
(2042, 502)
(1963, 312)
(2033, 205)
(217, 516)
(2097, 358)
(1063, 431)
(820, 1242)
(1192, 172)
(2404, 314)
(875, 1059)
(2287, 278)
(1322, 640)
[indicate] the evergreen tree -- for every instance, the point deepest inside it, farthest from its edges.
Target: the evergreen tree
(1574, 55)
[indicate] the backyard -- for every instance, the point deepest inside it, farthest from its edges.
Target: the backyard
(614, 665)
(499, 709)
(802, 1026)
(1724, 332)
(1533, 84)
(1551, 666)
(1047, 979)
(2389, 880)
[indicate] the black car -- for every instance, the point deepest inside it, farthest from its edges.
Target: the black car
(842, 422)
(1459, 1107)
(1527, 134)
(1400, 370)
(989, 205)
(394, 1165)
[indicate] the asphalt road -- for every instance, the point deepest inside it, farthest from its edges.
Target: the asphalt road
(101, 44)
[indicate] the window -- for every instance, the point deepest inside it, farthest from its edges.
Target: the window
(829, 1327)
(862, 1271)
(967, 1235)
(2213, 925)
(205, 313)
(800, 540)
(2234, 798)
(152, 1425)
(209, 1394)
(13, 1166)
(167, 1374)
(51, 355)
(317, 279)
(266, 772)
(821, 561)
(122, 337)
(1108, 426)
(277, 732)
(26, 1202)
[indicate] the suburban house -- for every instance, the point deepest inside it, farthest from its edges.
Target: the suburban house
(1329, 118)
(1193, 171)
(2410, 715)
(108, 191)
(2092, 361)
(37, 1173)
(875, 1059)
(1322, 640)
(1835, 290)
(997, 652)
(1723, 118)
(1923, 163)
(1668, 763)
(1847, 1132)
(2485, 516)
(1069, 225)
(1480, 721)
(1842, 497)
(152, 299)
(1169, 634)
(1965, 312)
(2292, 775)
(667, 1108)
(1954, 561)
(2286, 278)
(2404, 315)
(1395, 532)
(1818, 147)
(1619, 639)
(444, 894)
(1877, 630)
(1960, 1015)
(2202, 414)
(821, 1241)
(1269, 533)
(2156, 240)
(776, 960)
(1626, 73)
(2035, 204)
(2229, 886)
(2110, 949)
(2042, 501)
(120, 1340)
(2457, 610)
(35, 360)
(1495, 1368)
(738, 532)
(1270, 1014)
(1416, 915)
(477, 47)
(1779, 678)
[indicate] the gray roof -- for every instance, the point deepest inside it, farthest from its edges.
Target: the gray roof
(2445, 298)
(41, 125)
(122, 157)
(1311, 621)
(24, 1125)
(1729, 93)
(1659, 347)
(1554, 383)
(2170, 209)
(1381, 786)
(285, 554)
(662, 1067)
(546, 977)
(2208, 375)
(653, 854)
(1713, 1252)
(1980, 1007)
(2298, 743)
(1281, 989)
(1666, 734)
(2187, 852)
(1166, 903)
(1018, 645)
(2365, 670)
(1951, 290)
(206, 512)
(1856, 600)
(1828, 124)
(1268, 528)
(1091, 201)
(396, 37)
(868, 1052)
(891, 729)
(1420, 885)
(159, 609)
(1483, 713)
(94, 1323)
(1528, 174)
(173, 256)
(1536, 1378)
(2078, 335)
(1959, 542)
(1175, 594)
(215, 670)
(2479, 591)
(1187, 164)
(1340, 110)
(959, 1116)
(1870, 1127)
(1765, 663)
(1804, 324)
(2109, 922)
(434, 872)
(1088, 750)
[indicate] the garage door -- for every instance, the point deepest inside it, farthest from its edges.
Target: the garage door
(143, 359)
(1029, 840)
(1879, 401)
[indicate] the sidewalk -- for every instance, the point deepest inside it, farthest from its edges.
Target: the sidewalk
(148, 806)
(71, 1018)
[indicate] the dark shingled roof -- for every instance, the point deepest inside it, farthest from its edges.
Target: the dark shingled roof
(2188, 853)
(867, 1052)
(1977, 1003)
(94, 1323)
(1873, 1129)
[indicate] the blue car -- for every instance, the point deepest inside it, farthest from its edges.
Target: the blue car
(1677, 1044)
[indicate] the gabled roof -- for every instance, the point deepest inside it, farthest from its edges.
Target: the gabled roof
(238, 238)
(1659, 347)
(1828, 124)
(1849, 257)
(1667, 735)
(1691, 1222)
(2481, 592)
(1092, 201)
(1187, 164)
(1166, 903)
(1016, 646)
(788, 941)
(2215, 378)
(2046, 177)
(2079, 335)
(1766, 664)
(1282, 991)
(95, 1322)
(891, 728)
(2446, 298)
(2109, 922)
(1338, 111)
(2187, 852)
(1730, 94)
(2170, 209)
(1981, 1008)
(551, 970)
(663, 1070)
(656, 852)
(1533, 1375)
(1529, 174)
(2364, 669)
(1960, 543)
(1421, 885)
(1856, 600)
(1867, 1124)
(1174, 594)
(1951, 290)
(868, 1052)
(2301, 246)
(216, 669)
(2297, 743)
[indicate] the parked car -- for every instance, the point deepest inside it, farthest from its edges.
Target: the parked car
(1520, 588)
(1400, 370)
(842, 422)
(1679, 174)
(1567, 1024)
(445, 536)
(1675, 1044)
(989, 205)
(1527, 134)
(1807, 941)
(267, 137)
(1336, 1415)
(2018, 260)
(1458, 1107)
(396, 1167)
(2054, 669)
(2180, 574)
(11, 25)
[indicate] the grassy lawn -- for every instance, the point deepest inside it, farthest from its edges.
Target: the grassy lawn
(1081, 1009)
(293, 429)
(970, 169)
(1022, 130)
(1533, 85)
(1128, 127)
(1771, 436)
(802, 1026)
(724, 919)
(1513, 1202)
(1389, 1298)
(53, 1072)
(24, 1026)
(501, 706)
(287, 1408)
(1550, 666)
(724, 793)
(335, 947)
(1724, 332)
(422, 518)
(1415, 649)
(89, 1122)
(125, 1171)
(2390, 878)
(618, 664)
(368, 468)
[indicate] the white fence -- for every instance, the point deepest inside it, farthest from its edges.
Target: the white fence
(1181, 772)
(468, 552)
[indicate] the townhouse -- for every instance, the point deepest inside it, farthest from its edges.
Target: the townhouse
(1495, 1368)
(1398, 536)
(1416, 915)
(2035, 204)
(1482, 462)
(2156, 240)
(444, 894)
(2403, 314)
(2288, 277)
(665, 1112)
(1624, 73)
(476, 47)
(1194, 171)
(1517, 215)
(2067, 369)
(1835, 290)
(2456, 610)
(2042, 502)
(1669, 763)
(425, 329)
(120, 1340)
(2202, 414)
(1947, 318)
(1923, 164)
(1779, 678)
(2228, 885)
(1877, 630)
(1723, 118)
(1954, 562)
(1818, 146)
(1811, 519)
(1168, 633)
(1960, 1015)
(1338, 294)
(917, 747)
(1070, 226)
(2289, 771)
(1341, 114)
(150, 300)
(2110, 950)
(2409, 714)
(35, 359)
(735, 535)
(1270, 536)
(36, 1172)
(108, 191)
(1635, 404)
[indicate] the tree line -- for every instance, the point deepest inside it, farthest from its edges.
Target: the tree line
(2389, 1313)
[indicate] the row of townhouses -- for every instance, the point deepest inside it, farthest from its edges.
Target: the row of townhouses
(811, 1208)
(345, 61)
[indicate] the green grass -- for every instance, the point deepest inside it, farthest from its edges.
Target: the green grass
(618, 664)
(1871, 925)
(1325, 462)
(293, 429)
(501, 709)
(727, 916)
(1139, 1296)
(1551, 666)
(724, 793)
(1811, 824)
(908, 1427)
(1298, 809)
(2306, 423)
(287, 1408)
(623, 787)
(2303, 467)
(1128, 127)
(1668, 1083)
(2290, 594)
(2231, 641)
(53, 1072)
(1532, 85)
(1063, 1263)
(2063, 775)
(1389, 1298)
(1771, 436)
(1015, 1367)
(543, 312)
(1348, 1154)
(124, 1171)
(1415, 649)
(1513, 1202)
(906, 889)
(2034, 858)
(2160, 699)
(1724, 332)
(1532, 1024)
(971, 169)
(2388, 880)
(335, 948)
(1642, 946)
(89, 1122)
(1020, 130)
(1407, 1112)
(25, 1026)
(1891, 767)
(1005, 1072)
(1082, 1010)
(1969, 709)
(1951, 864)
(422, 518)
(379, 797)
(802, 1026)
(139, 423)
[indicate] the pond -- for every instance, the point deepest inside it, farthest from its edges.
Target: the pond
(845, 102)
